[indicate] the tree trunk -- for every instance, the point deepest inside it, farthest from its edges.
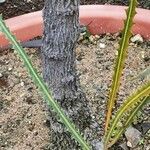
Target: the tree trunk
(61, 31)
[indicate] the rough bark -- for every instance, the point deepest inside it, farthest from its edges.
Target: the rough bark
(61, 31)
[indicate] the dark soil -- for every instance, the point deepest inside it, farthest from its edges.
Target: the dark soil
(23, 116)
(13, 8)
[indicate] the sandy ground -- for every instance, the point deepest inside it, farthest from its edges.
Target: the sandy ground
(23, 115)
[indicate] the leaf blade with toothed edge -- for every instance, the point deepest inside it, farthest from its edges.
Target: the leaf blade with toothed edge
(42, 86)
(120, 61)
(127, 111)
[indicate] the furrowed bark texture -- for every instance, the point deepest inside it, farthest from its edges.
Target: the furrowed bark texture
(61, 31)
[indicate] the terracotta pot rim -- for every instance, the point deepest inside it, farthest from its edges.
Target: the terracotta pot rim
(99, 18)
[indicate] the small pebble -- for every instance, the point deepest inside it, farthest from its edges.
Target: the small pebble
(115, 36)
(133, 136)
(22, 95)
(116, 53)
(20, 74)
(97, 36)
(131, 44)
(93, 117)
(29, 1)
(137, 38)
(91, 38)
(129, 144)
(148, 147)
(10, 68)
(102, 45)
(9, 98)
(7, 62)
(80, 38)
(1, 75)
(116, 45)
(108, 36)
(142, 54)
(22, 83)
(95, 42)
(2, 1)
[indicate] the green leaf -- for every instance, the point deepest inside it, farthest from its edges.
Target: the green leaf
(43, 88)
(120, 61)
(129, 120)
(126, 113)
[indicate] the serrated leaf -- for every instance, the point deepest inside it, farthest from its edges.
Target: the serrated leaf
(129, 120)
(127, 112)
(120, 61)
(42, 86)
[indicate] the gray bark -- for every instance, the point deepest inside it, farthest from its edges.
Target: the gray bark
(61, 31)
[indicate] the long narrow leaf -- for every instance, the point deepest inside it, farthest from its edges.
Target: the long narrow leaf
(42, 86)
(126, 123)
(126, 112)
(120, 61)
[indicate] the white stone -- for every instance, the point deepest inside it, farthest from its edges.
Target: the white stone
(129, 144)
(22, 83)
(1, 75)
(10, 68)
(116, 52)
(137, 38)
(93, 117)
(142, 54)
(97, 36)
(7, 62)
(91, 38)
(148, 147)
(2, 1)
(102, 45)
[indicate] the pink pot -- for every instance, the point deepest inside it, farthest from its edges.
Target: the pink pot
(99, 18)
